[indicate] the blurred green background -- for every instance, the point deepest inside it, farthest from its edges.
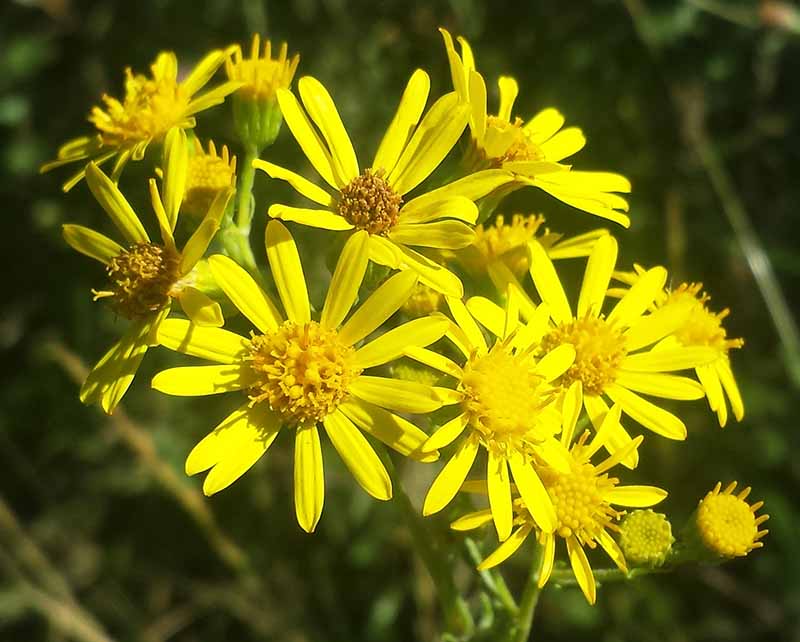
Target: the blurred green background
(102, 537)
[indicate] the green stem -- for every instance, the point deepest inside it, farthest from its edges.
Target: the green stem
(492, 579)
(245, 206)
(530, 598)
(565, 577)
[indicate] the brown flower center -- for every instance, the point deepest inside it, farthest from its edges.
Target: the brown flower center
(369, 203)
(141, 278)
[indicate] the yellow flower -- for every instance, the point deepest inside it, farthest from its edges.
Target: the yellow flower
(531, 150)
(506, 408)
(727, 524)
(645, 537)
(611, 358)
(701, 327)
(261, 75)
(297, 373)
(507, 241)
(151, 107)
(144, 277)
(583, 497)
(207, 175)
(372, 199)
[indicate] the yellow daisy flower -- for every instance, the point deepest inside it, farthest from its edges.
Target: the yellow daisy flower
(701, 327)
(372, 199)
(505, 397)
(611, 357)
(144, 277)
(584, 497)
(727, 524)
(297, 373)
(151, 107)
(261, 75)
(531, 150)
(208, 173)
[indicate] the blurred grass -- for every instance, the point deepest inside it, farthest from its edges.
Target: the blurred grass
(101, 534)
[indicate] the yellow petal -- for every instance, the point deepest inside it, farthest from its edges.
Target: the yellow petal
(457, 71)
(378, 307)
(508, 94)
(213, 344)
(477, 101)
(447, 433)
(440, 234)
(458, 207)
(564, 144)
(434, 360)
(201, 309)
(300, 184)
(654, 326)
(556, 362)
(723, 368)
(505, 281)
(194, 381)
(432, 274)
(244, 293)
(570, 411)
(450, 478)
(93, 244)
(500, 494)
(711, 386)
(165, 227)
(610, 433)
(433, 139)
(203, 72)
(667, 359)
(408, 113)
(581, 569)
(635, 496)
(199, 241)
(397, 433)
(346, 280)
(597, 277)
(613, 550)
(358, 456)
(396, 394)
(649, 415)
(465, 321)
(548, 559)
(306, 136)
(544, 125)
(507, 548)
(471, 521)
(490, 315)
(473, 187)
(233, 447)
(639, 298)
(176, 165)
(392, 344)
(115, 205)
(576, 246)
(309, 478)
(322, 219)
(284, 261)
(661, 385)
(209, 99)
(321, 108)
(534, 494)
(548, 284)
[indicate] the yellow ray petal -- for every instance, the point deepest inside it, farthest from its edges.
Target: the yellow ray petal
(711, 386)
(649, 415)
(346, 280)
(465, 321)
(284, 261)
(563, 145)
(639, 298)
(447, 433)
(471, 521)
(533, 493)
(115, 205)
(508, 94)
(396, 394)
(654, 326)
(176, 165)
(570, 411)
(500, 494)
(358, 456)
(213, 344)
(408, 113)
(431, 274)
(450, 478)
(507, 548)
(581, 569)
(199, 241)
(244, 293)
(723, 368)
(193, 381)
(321, 108)
(93, 244)
(322, 219)
(548, 284)
(490, 315)
(434, 360)
(473, 187)
(613, 550)
(391, 345)
(477, 100)
(556, 362)
(378, 307)
(300, 184)
(661, 385)
(667, 359)
(544, 125)
(397, 433)
(309, 477)
(203, 71)
(458, 207)
(201, 309)
(448, 234)
(635, 496)
(597, 277)
(610, 432)
(548, 559)
(457, 71)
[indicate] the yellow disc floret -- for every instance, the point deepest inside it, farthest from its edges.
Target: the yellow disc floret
(727, 524)
(302, 371)
(369, 203)
(503, 396)
(702, 327)
(422, 301)
(507, 240)
(599, 351)
(519, 145)
(261, 74)
(208, 174)
(646, 537)
(141, 279)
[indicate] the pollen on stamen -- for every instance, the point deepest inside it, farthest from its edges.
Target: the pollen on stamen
(369, 203)
(599, 351)
(302, 371)
(141, 279)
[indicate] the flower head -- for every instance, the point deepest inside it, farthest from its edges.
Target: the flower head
(261, 75)
(583, 495)
(296, 373)
(208, 173)
(152, 106)
(531, 150)
(375, 198)
(645, 537)
(144, 276)
(727, 524)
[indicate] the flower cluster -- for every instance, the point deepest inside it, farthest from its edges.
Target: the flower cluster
(548, 392)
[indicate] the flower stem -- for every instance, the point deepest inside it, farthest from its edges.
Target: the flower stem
(530, 598)
(492, 579)
(246, 205)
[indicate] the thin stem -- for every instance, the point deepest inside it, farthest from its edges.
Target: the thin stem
(492, 579)
(565, 577)
(245, 205)
(530, 598)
